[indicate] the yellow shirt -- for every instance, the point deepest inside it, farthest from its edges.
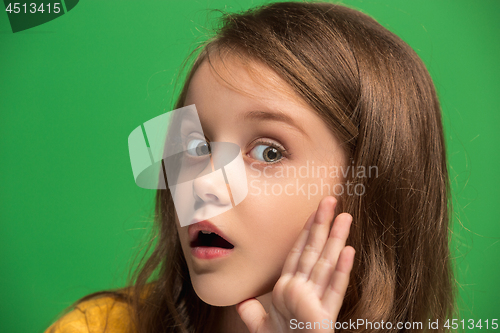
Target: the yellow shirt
(91, 317)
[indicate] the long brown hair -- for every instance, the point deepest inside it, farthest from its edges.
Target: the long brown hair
(378, 99)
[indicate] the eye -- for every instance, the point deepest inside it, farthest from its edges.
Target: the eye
(197, 147)
(267, 153)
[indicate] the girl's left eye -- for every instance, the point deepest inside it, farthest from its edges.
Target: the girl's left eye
(266, 153)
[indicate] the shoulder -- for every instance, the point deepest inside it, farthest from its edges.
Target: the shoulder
(103, 314)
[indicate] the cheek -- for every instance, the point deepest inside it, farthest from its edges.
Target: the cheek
(273, 224)
(292, 188)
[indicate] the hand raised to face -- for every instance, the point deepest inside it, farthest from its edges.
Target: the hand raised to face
(314, 278)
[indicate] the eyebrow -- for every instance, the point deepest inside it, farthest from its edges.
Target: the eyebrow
(274, 116)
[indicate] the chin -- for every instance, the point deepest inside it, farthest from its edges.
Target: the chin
(216, 297)
(227, 293)
(221, 292)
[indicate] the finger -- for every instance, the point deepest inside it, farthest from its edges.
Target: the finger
(252, 313)
(335, 292)
(318, 235)
(322, 271)
(292, 260)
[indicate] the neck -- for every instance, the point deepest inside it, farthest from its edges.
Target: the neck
(231, 321)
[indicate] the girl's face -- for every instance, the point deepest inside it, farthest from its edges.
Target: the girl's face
(292, 161)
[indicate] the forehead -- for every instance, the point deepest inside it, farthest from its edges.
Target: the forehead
(233, 76)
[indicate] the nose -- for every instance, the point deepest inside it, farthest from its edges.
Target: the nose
(211, 187)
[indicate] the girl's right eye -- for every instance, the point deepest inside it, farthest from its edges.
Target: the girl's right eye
(197, 147)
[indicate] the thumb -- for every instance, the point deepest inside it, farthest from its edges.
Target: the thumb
(252, 313)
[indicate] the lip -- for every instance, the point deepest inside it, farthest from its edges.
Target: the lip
(205, 225)
(207, 252)
(203, 252)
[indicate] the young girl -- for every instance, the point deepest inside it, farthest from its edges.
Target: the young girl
(340, 133)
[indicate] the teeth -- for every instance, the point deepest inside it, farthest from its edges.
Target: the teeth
(205, 232)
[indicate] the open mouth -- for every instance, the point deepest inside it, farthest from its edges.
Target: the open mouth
(210, 239)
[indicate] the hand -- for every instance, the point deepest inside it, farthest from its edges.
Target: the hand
(314, 278)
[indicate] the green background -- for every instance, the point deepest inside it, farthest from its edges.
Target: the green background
(72, 89)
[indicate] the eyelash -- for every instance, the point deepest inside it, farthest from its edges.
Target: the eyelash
(267, 142)
(279, 147)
